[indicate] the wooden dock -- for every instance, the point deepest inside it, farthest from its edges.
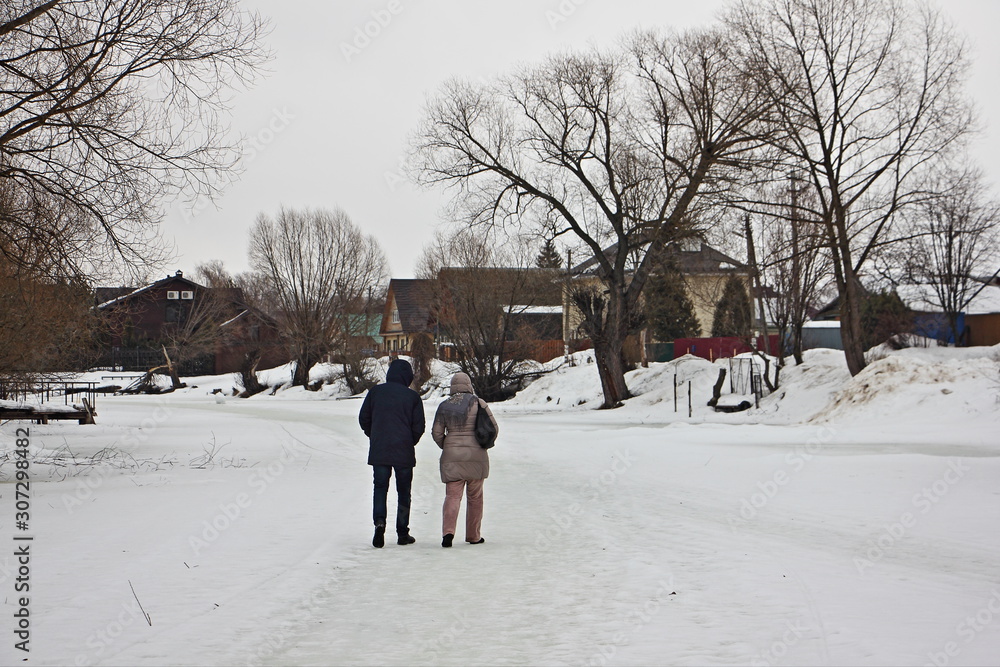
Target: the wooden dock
(42, 414)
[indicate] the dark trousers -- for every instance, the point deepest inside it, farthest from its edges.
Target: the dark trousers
(404, 480)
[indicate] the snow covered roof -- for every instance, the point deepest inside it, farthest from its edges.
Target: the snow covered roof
(230, 321)
(537, 310)
(924, 298)
(822, 324)
(125, 297)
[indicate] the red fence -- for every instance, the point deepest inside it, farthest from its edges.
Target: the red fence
(720, 348)
(541, 351)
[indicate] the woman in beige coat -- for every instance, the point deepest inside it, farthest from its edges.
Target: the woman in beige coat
(465, 465)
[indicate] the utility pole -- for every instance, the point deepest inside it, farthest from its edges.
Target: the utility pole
(755, 282)
(566, 306)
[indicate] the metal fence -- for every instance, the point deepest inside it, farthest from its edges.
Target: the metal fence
(746, 377)
(47, 391)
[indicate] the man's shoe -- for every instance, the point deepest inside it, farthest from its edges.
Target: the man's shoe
(379, 540)
(446, 542)
(406, 539)
(479, 541)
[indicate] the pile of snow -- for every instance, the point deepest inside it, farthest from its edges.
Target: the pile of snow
(567, 384)
(661, 392)
(921, 385)
(914, 385)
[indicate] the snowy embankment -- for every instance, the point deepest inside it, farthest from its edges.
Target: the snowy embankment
(844, 521)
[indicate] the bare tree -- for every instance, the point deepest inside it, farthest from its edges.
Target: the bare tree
(106, 106)
(213, 274)
(46, 326)
(354, 348)
(870, 96)
(954, 244)
(46, 322)
(421, 353)
(617, 149)
(193, 329)
(252, 300)
(320, 267)
(455, 248)
(486, 292)
(792, 262)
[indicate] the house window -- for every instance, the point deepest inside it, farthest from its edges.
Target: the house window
(395, 317)
(174, 313)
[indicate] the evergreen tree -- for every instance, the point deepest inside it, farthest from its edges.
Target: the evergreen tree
(549, 257)
(669, 311)
(733, 312)
(884, 316)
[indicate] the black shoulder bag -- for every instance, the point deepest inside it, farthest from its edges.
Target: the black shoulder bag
(486, 432)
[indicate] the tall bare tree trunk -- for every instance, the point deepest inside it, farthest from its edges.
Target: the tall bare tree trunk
(611, 372)
(248, 372)
(300, 376)
(850, 322)
(608, 346)
(175, 378)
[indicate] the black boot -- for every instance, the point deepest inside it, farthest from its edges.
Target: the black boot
(481, 541)
(406, 539)
(379, 540)
(446, 542)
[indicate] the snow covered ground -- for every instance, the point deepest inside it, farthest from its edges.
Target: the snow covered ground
(845, 521)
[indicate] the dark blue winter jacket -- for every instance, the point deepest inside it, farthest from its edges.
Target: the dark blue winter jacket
(392, 417)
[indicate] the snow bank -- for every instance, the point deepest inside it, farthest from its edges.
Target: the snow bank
(923, 385)
(915, 385)
(567, 385)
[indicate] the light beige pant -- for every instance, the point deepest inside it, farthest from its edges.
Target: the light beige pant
(473, 510)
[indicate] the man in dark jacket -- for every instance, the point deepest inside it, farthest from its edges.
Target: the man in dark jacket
(392, 417)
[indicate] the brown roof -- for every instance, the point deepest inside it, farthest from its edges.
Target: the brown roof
(542, 287)
(413, 301)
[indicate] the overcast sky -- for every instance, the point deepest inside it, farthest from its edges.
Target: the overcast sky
(328, 126)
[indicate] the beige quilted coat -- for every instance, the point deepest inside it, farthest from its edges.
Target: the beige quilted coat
(462, 458)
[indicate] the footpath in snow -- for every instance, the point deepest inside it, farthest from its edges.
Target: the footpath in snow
(844, 521)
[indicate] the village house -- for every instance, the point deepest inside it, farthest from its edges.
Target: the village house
(415, 306)
(705, 272)
(223, 329)
(408, 311)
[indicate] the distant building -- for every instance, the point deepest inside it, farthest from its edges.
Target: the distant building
(415, 306)
(705, 272)
(138, 321)
(408, 312)
(978, 323)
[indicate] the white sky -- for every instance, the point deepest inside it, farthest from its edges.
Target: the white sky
(327, 130)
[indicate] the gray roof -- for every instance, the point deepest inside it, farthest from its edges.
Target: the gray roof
(124, 293)
(705, 259)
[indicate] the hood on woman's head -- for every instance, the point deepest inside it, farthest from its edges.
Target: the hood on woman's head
(461, 383)
(400, 371)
